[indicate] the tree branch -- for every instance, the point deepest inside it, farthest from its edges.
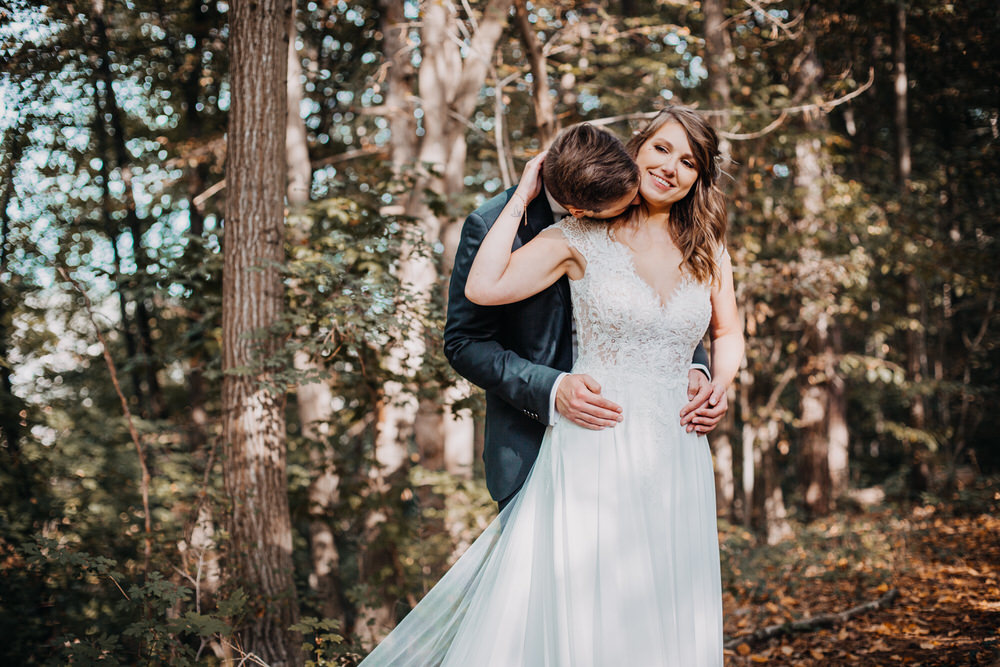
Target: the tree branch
(814, 622)
(825, 106)
(316, 164)
(144, 483)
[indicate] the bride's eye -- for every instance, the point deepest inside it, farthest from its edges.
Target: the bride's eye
(688, 163)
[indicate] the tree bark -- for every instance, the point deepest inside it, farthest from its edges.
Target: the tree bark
(448, 91)
(143, 309)
(916, 358)
(253, 428)
(111, 231)
(821, 408)
(314, 400)
(718, 59)
(10, 404)
(764, 504)
(721, 442)
(449, 88)
(546, 123)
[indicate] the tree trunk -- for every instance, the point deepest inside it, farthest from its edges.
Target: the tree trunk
(764, 501)
(747, 458)
(546, 123)
(315, 399)
(916, 358)
(200, 14)
(838, 435)
(820, 395)
(253, 415)
(769, 515)
(399, 86)
(721, 443)
(143, 309)
(718, 60)
(10, 405)
(448, 89)
(111, 231)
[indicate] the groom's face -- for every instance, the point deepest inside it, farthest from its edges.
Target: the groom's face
(610, 210)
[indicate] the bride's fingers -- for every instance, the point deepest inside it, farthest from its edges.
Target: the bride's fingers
(695, 402)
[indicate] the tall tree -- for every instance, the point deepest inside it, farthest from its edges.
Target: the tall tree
(448, 86)
(103, 52)
(718, 60)
(253, 424)
(314, 396)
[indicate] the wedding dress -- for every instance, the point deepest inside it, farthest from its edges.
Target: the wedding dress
(608, 556)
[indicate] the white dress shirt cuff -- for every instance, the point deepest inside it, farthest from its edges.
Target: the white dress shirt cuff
(553, 415)
(695, 367)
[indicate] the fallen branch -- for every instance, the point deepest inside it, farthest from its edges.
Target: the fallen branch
(144, 482)
(814, 622)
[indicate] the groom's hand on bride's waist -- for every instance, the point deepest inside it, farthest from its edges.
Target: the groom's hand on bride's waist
(578, 399)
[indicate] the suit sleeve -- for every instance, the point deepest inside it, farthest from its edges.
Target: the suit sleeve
(700, 360)
(470, 340)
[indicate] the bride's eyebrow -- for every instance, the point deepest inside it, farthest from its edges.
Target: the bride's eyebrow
(663, 142)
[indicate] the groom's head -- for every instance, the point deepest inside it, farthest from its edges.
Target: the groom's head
(589, 172)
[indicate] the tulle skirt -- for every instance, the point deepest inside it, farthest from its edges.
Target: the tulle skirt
(608, 556)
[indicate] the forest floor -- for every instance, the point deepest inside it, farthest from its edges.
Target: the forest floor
(943, 558)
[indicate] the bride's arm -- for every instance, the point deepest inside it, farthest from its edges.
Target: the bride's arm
(726, 331)
(497, 275)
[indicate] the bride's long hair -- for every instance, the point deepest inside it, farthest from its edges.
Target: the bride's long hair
(698, 222)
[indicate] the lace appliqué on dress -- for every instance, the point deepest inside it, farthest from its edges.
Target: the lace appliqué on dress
(623, 329)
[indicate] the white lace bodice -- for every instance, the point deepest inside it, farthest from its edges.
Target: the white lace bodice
(622, 326)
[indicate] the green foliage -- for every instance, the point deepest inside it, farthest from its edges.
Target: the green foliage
(325, 645)
(157, 619)
(142, 231)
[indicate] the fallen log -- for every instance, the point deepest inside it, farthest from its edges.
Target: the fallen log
(813, 622)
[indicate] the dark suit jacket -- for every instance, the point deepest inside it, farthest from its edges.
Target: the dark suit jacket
(515, 352)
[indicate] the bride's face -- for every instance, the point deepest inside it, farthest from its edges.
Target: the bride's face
(667, 169)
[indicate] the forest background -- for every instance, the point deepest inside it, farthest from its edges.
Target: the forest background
(157, 379)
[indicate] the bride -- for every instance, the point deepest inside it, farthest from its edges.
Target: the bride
(609, 553)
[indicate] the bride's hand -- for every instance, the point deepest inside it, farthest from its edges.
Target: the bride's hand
(707, 403)
(531, 180)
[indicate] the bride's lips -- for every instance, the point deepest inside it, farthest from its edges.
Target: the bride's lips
(661, 183)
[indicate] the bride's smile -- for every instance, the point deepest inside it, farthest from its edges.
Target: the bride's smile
(667, 167)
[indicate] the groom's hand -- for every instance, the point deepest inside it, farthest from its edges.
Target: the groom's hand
(706, 404)
(578, 399)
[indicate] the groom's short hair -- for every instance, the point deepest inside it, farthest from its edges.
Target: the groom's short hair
(588, 168)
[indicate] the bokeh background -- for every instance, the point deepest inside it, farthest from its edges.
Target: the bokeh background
(858, 462)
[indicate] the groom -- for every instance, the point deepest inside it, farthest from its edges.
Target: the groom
(521, 353)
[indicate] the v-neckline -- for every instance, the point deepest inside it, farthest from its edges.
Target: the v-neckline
(662, 303)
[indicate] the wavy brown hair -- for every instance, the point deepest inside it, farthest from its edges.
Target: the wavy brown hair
(587, 167)
(698, 222)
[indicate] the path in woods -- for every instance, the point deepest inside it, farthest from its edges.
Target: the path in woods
(945, 567)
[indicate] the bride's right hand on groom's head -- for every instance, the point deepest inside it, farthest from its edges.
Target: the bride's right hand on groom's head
(530, 184)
